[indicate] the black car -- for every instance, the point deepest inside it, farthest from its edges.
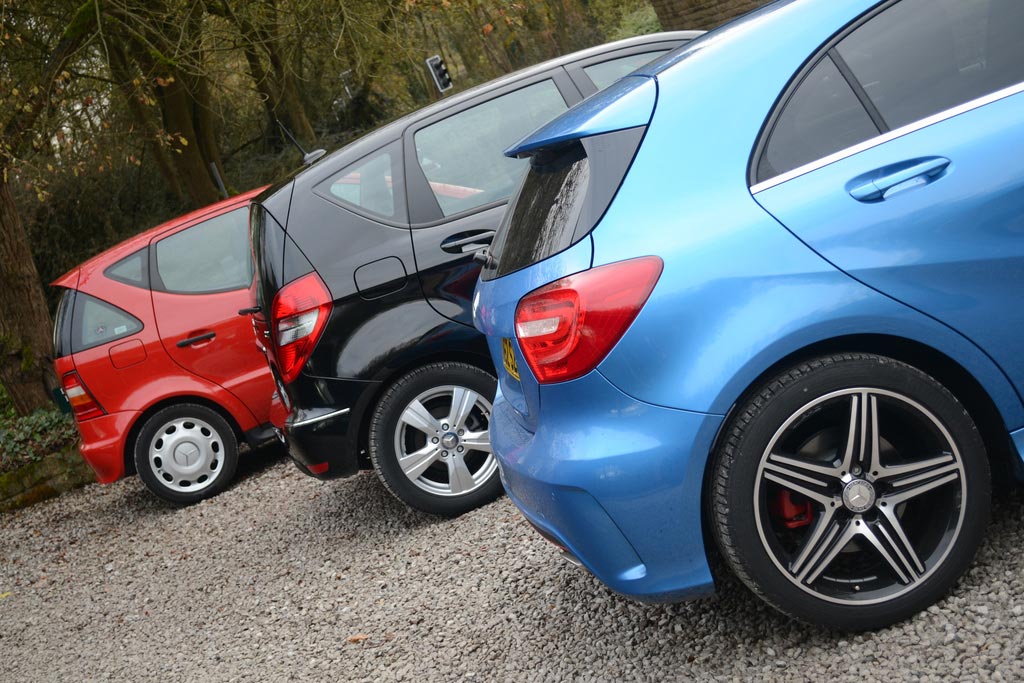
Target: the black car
(366, 278)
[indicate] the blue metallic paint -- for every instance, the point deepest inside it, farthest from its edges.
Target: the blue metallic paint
(627, 103)
(739, 293)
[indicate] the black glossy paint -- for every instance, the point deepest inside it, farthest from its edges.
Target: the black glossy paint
(402, 291)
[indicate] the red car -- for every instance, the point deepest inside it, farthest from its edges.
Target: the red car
(163, 375)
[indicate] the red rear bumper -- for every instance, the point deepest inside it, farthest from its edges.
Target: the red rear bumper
(103, 442)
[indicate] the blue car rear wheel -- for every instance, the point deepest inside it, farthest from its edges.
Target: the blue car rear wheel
(851, 491)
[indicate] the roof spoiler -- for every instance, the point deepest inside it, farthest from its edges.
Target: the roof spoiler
(627, 103)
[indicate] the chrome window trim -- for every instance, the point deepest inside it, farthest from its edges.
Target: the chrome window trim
(887, 137)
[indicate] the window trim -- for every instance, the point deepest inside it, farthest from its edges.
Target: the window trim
(794, 83)
(156, 283)
(887, 134)
(423, 209)
(888, 137)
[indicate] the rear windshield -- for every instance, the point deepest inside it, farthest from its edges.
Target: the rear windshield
(62, 324)
(564, 195)
(545, 212)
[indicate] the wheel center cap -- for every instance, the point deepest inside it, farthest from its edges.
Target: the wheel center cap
(859, 495)
(450, 440)
(186, 454)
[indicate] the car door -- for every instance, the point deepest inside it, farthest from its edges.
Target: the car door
(899, 159)
(201, 277)
(459, 182)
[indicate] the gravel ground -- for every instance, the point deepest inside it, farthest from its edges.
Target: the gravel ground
(286, 578)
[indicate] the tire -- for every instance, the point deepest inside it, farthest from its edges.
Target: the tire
(832, 526)
(416, 446)
(186, 453)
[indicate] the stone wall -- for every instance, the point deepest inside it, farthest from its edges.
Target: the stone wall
(676, 15)
(47, 478)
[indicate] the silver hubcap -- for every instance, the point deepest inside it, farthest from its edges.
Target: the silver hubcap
(860, 496)
(442, 441)
(186, 455)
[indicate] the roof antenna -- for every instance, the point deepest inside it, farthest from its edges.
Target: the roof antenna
(307, 157)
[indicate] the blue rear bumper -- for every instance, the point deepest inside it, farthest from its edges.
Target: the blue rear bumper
(615, 481)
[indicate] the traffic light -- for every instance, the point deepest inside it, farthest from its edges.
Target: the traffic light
(439, 72)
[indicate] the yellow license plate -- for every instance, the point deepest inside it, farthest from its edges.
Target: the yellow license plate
(508, 358)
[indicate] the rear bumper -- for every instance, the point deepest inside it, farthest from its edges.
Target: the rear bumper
(103, 444)
(319, 442)
(616, 482)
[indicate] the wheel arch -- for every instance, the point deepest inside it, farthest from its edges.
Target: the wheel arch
(977, 400)
(478, 359)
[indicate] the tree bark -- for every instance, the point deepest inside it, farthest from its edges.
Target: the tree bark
(25, 329)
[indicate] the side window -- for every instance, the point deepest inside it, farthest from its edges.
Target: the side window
(368, 184)
(131, 270)
(921, 57)
(213, 256)
(96, 322)
(606, 73)
(462, 158)
(915, 59)
(821, 117)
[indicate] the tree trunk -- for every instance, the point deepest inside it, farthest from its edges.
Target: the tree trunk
(679, 15)
(120, 70)
(25, 328)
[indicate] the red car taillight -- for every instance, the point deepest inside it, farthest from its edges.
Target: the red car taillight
(83, 405)
(566, 328)
(298, 317)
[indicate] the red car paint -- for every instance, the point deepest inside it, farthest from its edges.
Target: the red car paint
(134, 375)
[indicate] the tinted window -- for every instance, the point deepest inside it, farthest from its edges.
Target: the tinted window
(213, 256)
(62, 324)
(130, 270)
(97, 322)
(462, 158)
(822, 116)
(367, 184)
(921, 57)
(606, 73)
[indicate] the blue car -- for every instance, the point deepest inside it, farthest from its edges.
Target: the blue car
(762, 297)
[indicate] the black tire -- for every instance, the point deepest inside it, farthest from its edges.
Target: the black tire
(766, 529)
(201, 461)
(389, 432)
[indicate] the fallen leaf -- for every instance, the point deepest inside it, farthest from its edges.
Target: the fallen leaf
(357, 638)
(5, 595)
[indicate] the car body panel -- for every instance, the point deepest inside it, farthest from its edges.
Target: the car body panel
(133, 374)
(739, 295)
(402, 292)
(951, 248)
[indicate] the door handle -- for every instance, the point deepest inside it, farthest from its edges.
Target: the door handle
(249, 311)
(467, 242)
(892, 180)
(195, 340)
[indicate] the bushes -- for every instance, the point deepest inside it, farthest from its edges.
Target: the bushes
(32, 438)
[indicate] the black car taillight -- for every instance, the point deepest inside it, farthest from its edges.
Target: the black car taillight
(298, 318)
(563, 197)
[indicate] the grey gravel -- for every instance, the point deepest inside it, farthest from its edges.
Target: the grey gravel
(286, 578)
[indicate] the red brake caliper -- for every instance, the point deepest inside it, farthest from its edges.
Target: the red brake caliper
(792, 509)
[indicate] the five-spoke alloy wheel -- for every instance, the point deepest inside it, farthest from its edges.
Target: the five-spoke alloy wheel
(429, 439)
(851, 491)
(185, 453)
